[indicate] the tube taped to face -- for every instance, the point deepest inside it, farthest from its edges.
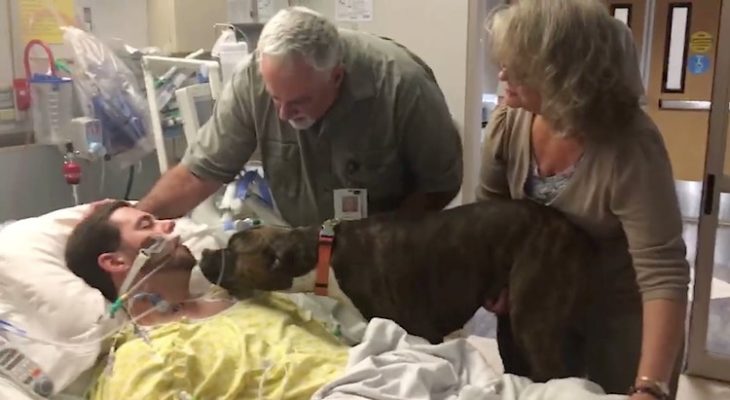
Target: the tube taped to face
(153, 255)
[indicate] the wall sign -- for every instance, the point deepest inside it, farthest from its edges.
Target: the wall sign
(354, 10)
(40, 19)
(698, 64)
(700, 42)
(266, 9)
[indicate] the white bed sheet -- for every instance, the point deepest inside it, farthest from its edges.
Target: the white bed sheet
(390, 364)
(473, 363)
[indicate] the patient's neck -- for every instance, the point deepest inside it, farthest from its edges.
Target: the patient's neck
(173, 287)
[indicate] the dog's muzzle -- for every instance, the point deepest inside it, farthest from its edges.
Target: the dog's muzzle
(218, 266)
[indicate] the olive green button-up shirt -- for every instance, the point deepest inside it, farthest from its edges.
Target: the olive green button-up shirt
(389, 131)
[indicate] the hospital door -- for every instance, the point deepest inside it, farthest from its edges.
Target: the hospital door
(684, 49)
(681, 67)
(632, 13)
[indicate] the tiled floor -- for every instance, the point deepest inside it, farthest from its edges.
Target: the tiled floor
(718, 338)
(692, 388)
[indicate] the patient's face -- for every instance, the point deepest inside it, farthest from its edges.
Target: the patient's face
(137, 228)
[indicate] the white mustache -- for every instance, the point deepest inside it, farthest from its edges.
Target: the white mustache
(302, 123)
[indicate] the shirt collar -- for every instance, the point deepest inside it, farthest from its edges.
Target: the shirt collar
(357, 84)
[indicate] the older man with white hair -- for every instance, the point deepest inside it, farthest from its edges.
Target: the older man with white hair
(328, 109)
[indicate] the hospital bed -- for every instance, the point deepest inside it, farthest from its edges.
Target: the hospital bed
(39, 295)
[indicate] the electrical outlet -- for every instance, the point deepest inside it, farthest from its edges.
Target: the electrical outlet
(7, 99)
(7, 114)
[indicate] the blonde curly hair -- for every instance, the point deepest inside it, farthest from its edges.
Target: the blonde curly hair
(571, 52)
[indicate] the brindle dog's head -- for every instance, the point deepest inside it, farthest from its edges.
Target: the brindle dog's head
(262, 258)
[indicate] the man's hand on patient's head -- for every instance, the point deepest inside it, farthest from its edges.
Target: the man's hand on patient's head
(93, 206)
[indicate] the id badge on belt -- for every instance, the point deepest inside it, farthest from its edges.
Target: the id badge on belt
(351, 204)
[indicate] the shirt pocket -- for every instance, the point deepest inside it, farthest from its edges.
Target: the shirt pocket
(282, 166)
(381, 172)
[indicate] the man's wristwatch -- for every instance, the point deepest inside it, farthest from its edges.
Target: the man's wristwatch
(654, 388)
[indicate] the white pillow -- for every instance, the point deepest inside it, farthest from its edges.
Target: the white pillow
(40, 295)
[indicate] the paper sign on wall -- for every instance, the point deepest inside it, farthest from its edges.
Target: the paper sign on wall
(354, 10)
(700, 42)
(40, 19)
(266, 9)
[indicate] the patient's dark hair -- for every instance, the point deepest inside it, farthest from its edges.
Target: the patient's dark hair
(92, 237)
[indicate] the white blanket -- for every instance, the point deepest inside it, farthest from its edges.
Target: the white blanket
(390, 364)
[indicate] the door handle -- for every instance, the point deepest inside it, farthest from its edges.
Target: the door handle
(686, 105)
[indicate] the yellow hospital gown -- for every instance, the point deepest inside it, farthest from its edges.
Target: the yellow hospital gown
(262, 348)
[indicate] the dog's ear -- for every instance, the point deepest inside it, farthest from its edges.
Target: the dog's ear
(246, 241)
(295, 252)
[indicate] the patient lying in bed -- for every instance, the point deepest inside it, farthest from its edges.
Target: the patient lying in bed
(263, 347)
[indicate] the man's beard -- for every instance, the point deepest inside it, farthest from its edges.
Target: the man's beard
(182, 259)
(302, 123)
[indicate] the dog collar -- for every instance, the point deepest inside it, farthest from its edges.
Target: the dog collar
(322, 272)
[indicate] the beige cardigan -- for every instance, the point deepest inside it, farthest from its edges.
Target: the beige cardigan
(622, 193)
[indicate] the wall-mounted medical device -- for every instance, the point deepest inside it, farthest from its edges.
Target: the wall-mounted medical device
(84, 134)
(154, 66)
(195, 103)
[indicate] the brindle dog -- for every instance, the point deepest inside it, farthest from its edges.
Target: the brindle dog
(431, 274)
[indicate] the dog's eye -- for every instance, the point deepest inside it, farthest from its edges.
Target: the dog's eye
(275, 265)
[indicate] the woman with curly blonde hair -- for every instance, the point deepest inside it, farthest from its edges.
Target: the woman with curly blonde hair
(571, 135)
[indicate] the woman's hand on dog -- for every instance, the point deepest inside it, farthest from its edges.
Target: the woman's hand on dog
(500, 305)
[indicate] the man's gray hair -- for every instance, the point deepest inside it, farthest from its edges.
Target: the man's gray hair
(303, 32)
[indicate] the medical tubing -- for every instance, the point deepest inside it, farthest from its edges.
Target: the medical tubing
(97, 339)
(202, 297)
(119, 302)
(125, 323)
(130, 181)
(103, 337)
(223, 268)
(85, 343)
(144, 278)
(205, 296)
(91, 340)
(66, 344)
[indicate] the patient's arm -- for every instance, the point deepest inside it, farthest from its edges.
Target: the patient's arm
(176, 193)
